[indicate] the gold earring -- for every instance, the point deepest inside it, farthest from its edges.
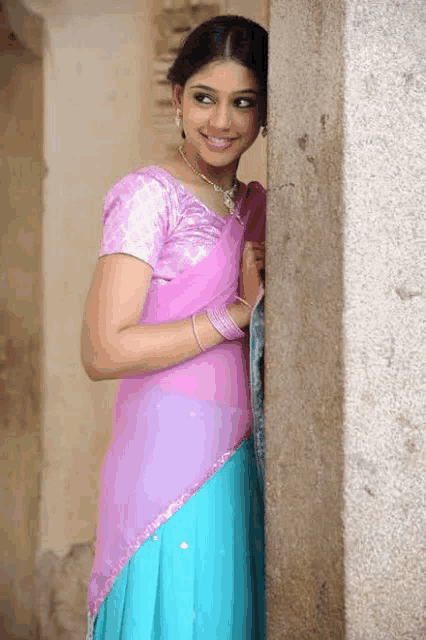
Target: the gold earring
(178, 118)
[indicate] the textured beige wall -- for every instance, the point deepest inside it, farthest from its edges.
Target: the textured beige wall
(345, 309)
(20, 329)
(385, 311)
(96, 70)
(304, 350)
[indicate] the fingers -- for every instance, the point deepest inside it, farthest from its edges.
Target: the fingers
(254, 246)
(255, 252)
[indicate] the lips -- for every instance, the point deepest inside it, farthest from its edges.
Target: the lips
(218, 143)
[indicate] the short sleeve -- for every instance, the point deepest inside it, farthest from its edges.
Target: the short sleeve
(135, 218)
(256, 224)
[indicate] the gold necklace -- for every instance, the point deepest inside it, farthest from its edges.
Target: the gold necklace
(229, 195)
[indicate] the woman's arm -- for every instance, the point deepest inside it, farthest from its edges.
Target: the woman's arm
(114, 345)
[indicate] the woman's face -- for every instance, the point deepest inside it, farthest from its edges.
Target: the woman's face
(220, 111)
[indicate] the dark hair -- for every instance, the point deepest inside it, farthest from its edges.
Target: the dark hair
(224, 37)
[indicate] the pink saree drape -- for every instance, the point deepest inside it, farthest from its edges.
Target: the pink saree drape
(176, 427)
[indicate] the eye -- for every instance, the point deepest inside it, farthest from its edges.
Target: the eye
(199, 97)
(249, 102)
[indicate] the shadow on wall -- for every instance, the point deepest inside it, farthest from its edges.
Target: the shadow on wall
(20, 335)
(61, 585)
(13, 49)
(20, 451)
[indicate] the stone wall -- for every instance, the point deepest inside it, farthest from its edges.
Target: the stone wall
(304, 390)
(345, 329)
(21, 168)
(385, 310)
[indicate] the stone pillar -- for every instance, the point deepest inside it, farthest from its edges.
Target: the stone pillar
(345, 309)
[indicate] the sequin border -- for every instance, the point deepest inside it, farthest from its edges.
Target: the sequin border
(90, 626)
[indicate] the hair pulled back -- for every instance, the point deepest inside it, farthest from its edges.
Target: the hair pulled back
(220, 38)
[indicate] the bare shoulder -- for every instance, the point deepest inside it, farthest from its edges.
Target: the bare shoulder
(172, 164)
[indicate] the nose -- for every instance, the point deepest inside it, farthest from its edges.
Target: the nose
(220, 119)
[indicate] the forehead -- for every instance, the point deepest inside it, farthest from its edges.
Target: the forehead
(225, 74)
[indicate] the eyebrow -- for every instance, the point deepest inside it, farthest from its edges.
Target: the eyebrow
(207, 88)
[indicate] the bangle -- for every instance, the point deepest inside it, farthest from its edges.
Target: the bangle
(245, 302)
(224, 323)
(195, 333)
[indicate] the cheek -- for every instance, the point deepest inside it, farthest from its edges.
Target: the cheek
(247, 122)
(196, 115)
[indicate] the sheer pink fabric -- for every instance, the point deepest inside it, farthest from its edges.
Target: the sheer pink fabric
(149, 214)
(176, 427)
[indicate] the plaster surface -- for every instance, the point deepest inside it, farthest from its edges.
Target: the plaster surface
(384, 319)
(96, 69)
(345, 328)
(20, 330)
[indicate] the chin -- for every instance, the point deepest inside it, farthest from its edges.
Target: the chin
(221, 157)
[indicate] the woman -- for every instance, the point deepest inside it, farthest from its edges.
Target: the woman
(180, 539)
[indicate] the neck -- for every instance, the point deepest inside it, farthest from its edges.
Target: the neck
(222, 176)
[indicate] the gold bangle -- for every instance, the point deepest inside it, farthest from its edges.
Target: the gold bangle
(195, 333)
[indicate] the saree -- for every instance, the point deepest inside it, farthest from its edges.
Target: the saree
(257, 359)
(175, 432)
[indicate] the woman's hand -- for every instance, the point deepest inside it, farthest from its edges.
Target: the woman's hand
(253, 262)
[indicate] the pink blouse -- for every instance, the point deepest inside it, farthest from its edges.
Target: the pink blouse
(150, 215)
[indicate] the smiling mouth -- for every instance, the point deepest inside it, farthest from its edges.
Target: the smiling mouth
(218, 142)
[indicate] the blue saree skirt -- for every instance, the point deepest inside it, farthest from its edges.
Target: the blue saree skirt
(201, 576)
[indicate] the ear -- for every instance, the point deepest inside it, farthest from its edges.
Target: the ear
(177, 93)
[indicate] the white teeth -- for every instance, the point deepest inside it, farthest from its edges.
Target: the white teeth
(219, 140)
